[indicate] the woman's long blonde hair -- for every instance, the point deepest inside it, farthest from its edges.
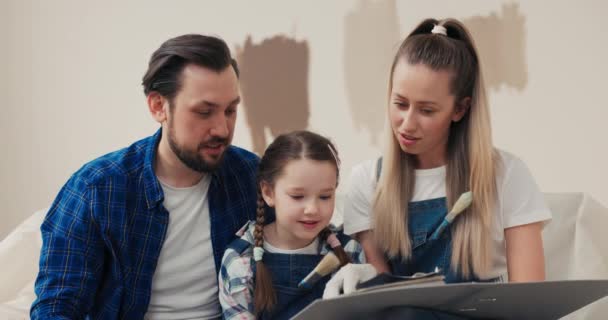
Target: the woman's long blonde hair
(471, 158)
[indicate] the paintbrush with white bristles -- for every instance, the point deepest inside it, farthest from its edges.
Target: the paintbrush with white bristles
(327, 265)
(463, 202)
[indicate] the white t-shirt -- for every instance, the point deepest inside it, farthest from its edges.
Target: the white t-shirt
(312, 248)
(184, 285)
(519, 200)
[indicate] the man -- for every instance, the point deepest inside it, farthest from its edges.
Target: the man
(141, 231)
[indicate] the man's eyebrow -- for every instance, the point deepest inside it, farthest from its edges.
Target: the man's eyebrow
(236, 101)
(215, 105)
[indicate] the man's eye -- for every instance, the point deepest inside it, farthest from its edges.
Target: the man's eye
(204, 113)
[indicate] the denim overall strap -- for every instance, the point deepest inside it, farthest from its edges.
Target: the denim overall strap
(287, 271)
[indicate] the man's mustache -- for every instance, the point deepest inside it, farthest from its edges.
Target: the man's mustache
(214, 140)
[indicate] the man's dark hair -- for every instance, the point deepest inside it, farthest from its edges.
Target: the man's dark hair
(167, 63)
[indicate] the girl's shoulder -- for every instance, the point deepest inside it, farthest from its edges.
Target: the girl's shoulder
(241, 247)
(236, 262)
(246, 231)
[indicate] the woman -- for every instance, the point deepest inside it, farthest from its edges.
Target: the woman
(440, 147)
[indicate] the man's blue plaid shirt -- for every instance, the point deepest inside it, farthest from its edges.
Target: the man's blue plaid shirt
(104, 232)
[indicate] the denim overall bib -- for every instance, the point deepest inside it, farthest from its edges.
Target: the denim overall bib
(424, 217)
(287, 271)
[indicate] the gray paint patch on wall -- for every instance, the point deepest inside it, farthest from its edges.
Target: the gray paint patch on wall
(371, 38)
(274, 87)
(501, 42)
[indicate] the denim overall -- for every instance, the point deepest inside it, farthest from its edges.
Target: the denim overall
(287, 271)
(424, 217)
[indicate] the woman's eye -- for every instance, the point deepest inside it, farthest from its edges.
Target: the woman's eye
(401, 105)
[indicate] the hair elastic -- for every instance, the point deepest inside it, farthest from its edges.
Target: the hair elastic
(438, 29)
(333, 241)
(258, 253)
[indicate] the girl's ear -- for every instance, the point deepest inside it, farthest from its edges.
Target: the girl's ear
(267, 193)
(461, 108)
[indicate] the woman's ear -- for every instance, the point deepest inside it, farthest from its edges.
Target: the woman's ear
(461, 108)
(267, 193)
(157, 106)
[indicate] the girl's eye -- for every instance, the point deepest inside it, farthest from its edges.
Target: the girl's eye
(327, 197)
(296, 196)
(427, 111)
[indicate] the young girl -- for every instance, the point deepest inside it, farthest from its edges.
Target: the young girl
(260, 272)
(439, 147)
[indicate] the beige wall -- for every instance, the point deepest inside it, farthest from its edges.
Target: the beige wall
(72, 70)
(15, 194)
(4, 168)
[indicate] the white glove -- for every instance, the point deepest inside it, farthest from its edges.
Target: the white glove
(347, 279)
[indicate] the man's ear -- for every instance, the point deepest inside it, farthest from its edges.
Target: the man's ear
(267, 193)
(461, 108)
(157, 105)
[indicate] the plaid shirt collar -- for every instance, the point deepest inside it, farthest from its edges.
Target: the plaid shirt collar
(153, 190)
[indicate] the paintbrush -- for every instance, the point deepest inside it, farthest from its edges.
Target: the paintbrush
(463, 202)
(327, 265)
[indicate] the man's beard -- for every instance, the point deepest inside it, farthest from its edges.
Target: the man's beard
(193, 159)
